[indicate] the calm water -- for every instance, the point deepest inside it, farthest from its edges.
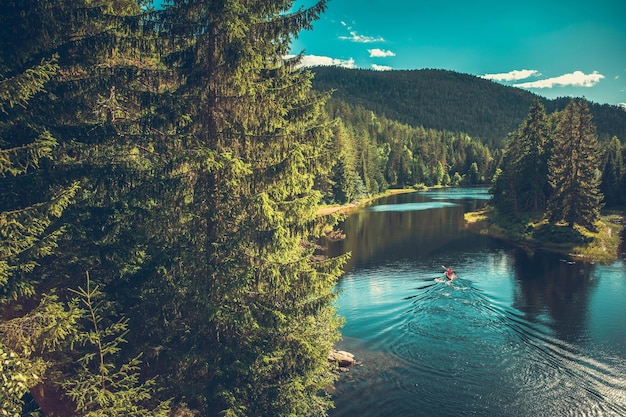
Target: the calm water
(517, 334)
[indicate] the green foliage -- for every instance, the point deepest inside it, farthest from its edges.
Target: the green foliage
(574, 173)
(180, 158)
(522, 183)
(560, 235)
(28, 231)
(448, 101)
(17, 376)
(613, 174)
(24, 339)
(384, 153)
(25, 237)
(59, 70)
(100, 386)
(567, 159)
(245, 308)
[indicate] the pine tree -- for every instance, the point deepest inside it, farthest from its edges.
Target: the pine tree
(246, 318)
(69, 71)
(85, 108)
(574, 173)
(532, 164)
(100, 386)
(522, 183)
(27, 232)
(613, 173)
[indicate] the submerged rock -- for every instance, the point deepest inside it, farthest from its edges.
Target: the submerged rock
(343, 359)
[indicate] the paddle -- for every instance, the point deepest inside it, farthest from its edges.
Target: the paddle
(454, 275)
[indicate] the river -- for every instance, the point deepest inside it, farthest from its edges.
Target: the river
(517, 334)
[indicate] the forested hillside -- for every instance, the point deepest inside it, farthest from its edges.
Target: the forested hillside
(374, 153)
(446, 100)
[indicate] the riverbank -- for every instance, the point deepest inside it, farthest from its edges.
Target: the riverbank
(535, 233)
(347, 208)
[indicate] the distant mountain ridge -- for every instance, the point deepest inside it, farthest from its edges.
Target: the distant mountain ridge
(448, 100)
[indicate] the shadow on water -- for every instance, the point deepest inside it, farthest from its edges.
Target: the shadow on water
(560, 288)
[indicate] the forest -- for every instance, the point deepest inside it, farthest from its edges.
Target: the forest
(376, 151)
(158, 211)
(160, 176)
(446, 100)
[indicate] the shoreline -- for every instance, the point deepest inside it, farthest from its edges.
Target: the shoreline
(601, 247)
(347, 208)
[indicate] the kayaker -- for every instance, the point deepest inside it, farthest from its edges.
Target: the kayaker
(450, 274)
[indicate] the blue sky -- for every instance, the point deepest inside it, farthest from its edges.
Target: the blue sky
(554, 48)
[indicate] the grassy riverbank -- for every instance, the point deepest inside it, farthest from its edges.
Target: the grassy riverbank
(535, 233)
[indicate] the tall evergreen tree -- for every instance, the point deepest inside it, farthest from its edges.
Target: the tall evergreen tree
(245, 317)
(574, 173)
(532, 165)
(613, 173)
(75, 63)
(505, 195)
(29, 231)
(522, 184)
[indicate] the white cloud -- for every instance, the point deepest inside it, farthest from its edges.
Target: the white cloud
(513, 75)
(380, 53)
(381, 67)
(622, 105)
(316, 60)
(575, 79)
(355, 37)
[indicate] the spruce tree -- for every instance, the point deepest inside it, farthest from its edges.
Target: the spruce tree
(69, 118)
(29, 231)
(574, 169)
(505, 195)
(245, 317)
(613, 173)
(532, 163)
(522, 183)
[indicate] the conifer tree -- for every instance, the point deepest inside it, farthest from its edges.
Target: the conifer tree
(96, 383)
(522, 182)
(532, 163)
(29, 228)
(27, 232)
(246, 318)
(67, 119)
(613, 173)
(574, 169)
(505, 195)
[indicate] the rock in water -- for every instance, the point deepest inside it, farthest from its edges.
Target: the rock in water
(343, 359)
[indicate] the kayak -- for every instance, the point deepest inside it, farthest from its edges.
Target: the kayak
(449, 273)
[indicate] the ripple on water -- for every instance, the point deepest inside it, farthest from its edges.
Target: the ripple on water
(448, 346)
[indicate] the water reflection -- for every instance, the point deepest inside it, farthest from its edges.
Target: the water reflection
(403, 227)
(458, 194)
(411, 206)
(560, 288)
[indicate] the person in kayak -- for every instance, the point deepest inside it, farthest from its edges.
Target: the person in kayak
(450, 274)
